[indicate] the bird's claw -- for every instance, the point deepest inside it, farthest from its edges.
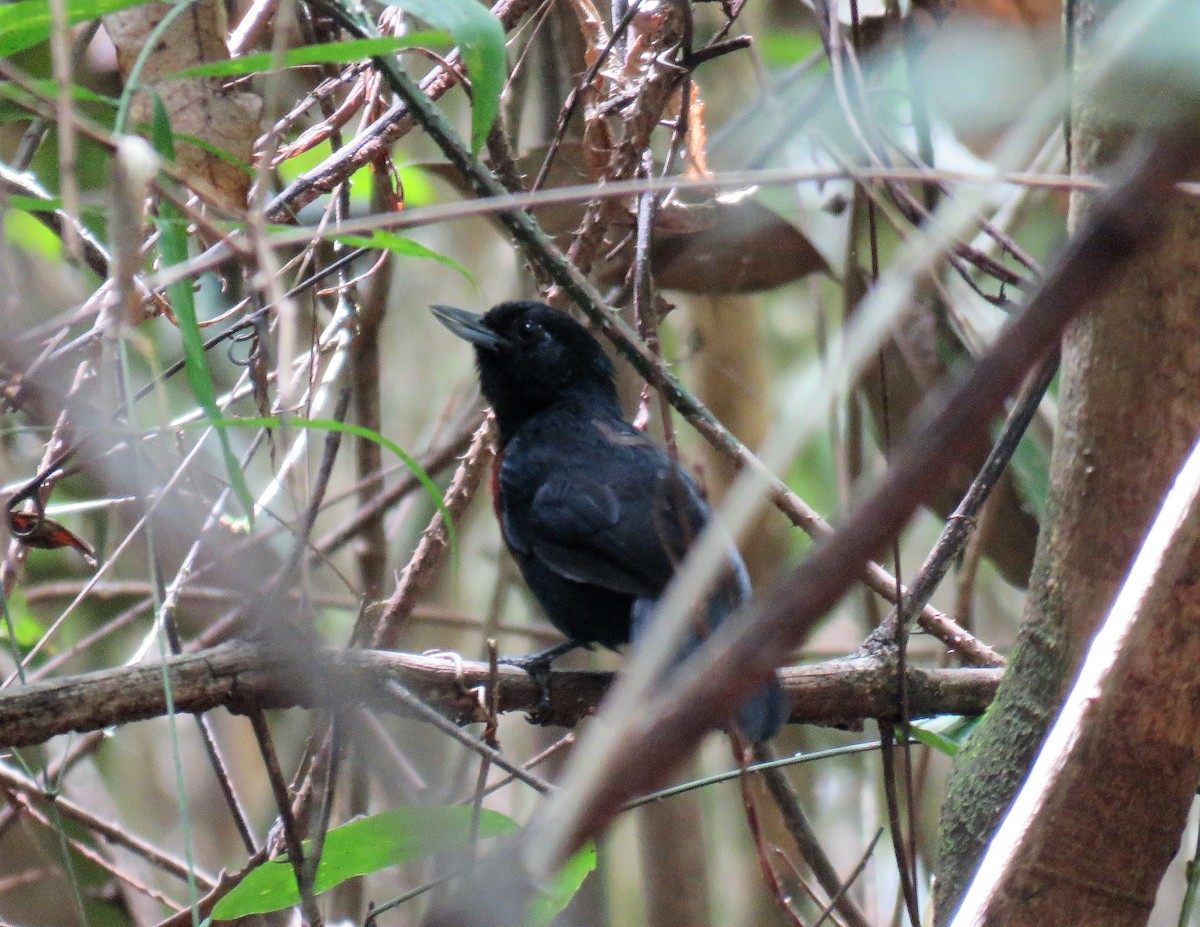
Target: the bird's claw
(537, 666)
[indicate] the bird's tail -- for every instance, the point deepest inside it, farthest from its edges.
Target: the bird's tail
(764, 712)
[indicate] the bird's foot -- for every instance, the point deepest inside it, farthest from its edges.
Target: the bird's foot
(537, 665)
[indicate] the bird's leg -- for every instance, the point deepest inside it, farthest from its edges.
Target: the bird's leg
(537, 665)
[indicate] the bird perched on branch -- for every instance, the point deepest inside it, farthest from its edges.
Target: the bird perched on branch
(596, 514)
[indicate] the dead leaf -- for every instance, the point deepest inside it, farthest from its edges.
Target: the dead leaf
(745, 248)
(46, 534)
(198, 106)
(708, 244)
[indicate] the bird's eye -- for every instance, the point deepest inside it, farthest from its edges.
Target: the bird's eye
(529, 330)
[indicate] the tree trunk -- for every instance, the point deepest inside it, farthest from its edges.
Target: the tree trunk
(1130, 404)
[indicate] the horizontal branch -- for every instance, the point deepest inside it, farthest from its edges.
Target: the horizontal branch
(242, 676)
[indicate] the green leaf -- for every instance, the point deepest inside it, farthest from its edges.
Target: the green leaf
(398, 244)
(946, 733)
(480, 36)
(173, 249)
(48, 90)
(22, 229)
(783, 48)
(27, 22)
(205, 145)
(19, 624)
(17, 104)
(329, 424)
(366, 845)
(35, 204)
(1031, 464)
(216, 150)
(552, 899)
(161, 135)
(329, 53)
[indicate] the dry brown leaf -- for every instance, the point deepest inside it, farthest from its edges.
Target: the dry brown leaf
(744, 248)
(710, 244)
(198, 106)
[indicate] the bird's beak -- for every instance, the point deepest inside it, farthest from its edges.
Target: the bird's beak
(468, 326)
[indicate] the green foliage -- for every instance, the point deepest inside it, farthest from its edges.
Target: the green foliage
(947, 733)
(173, 249)
(19, 625)
(785, 48)
(480, 36)
(213, 150)
(1031, 466)
(20, 228)
(405, 247)
(329, 53)
(48, 90)
(27, 22)
(360, 847)
(554, 897)
(388, 839)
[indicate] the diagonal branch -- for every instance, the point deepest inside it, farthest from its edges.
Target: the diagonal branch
(741, 655)
(544, 253)
(1130, 717)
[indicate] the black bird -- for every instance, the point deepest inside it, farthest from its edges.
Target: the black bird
(596, 514)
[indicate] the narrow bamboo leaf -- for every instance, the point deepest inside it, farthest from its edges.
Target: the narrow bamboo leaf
(398, 244)
(553, 898)
(212, 149)
(329, 53)
(329, 424)
(33, 204)
(946, 733)
(27, 22)
(173, 249)
(360, 847)
(480, 36)
(48, 90)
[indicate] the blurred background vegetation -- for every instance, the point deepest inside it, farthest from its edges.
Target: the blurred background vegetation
(756, 267)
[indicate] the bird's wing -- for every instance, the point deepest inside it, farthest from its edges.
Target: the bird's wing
(627, 536)
(570, 517)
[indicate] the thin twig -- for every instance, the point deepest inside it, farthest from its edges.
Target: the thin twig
(961, 523)
(805, 838)
(291, 835)
(423, 711)
(114, 834)
(435, 540)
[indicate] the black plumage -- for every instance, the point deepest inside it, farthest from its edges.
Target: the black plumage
(596, 514)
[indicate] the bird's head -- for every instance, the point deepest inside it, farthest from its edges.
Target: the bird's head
(530, 356)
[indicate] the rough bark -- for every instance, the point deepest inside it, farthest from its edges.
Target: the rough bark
(1118, 735)
(1130, 410)
(241, 676)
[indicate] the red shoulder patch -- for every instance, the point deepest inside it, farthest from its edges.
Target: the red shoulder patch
(497, 461)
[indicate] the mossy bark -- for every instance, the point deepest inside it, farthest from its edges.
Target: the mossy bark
(1130, 412)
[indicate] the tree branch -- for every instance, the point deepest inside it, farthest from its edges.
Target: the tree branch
(243, 677)
(637, 751)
